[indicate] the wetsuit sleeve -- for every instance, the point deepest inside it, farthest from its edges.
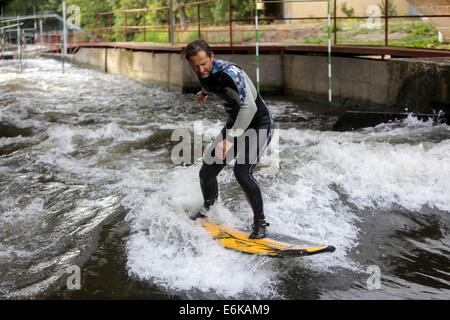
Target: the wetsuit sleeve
(204, 91)
(247, 108)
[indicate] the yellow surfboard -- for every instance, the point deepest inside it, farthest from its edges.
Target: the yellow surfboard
(240, 241)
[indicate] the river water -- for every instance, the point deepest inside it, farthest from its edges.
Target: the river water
(87, 180)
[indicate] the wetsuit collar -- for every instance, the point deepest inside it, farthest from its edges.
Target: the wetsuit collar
(219, 65)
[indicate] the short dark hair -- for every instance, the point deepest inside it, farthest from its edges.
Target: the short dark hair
(196, 46)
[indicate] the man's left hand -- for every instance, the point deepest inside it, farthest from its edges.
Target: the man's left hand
(222, 148)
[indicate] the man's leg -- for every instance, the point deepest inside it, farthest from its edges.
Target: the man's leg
(208, 182)
(243, 171)
(208, 176)
(244, 175)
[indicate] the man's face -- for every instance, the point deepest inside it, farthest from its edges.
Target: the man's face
(202, 64)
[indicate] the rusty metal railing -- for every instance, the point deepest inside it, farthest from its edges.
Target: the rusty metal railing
(230, 34)
(51, 41)
(127, 29)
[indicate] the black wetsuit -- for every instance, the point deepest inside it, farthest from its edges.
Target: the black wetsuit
(249, 126)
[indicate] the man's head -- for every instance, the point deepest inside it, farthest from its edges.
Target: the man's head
(200, 57)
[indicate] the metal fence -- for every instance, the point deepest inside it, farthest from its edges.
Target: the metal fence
(233, 29)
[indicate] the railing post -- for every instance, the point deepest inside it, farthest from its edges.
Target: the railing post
(335, 23)
(110, 28)
(125, 21)
(168, 26)
(100, 28)
(19, 47)
(94, 31)
(143, 24)
(171, 22)
(64, 27)
(40, 37)
(386, 22)
(231, 22)
(198, 20)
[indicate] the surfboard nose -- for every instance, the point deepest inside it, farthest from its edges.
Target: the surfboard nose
(331, 249)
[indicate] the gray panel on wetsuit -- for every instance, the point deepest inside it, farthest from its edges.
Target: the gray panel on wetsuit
(245, 116)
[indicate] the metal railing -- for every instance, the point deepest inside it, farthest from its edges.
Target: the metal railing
(51, 41)
(230, 31)
(126, 30)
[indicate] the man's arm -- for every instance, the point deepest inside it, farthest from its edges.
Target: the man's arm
(246, 112)
(201, 97)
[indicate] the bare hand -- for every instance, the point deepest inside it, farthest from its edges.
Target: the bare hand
(200, 98)
(222, 148)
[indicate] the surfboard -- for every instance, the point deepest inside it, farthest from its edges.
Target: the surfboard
(237, 240)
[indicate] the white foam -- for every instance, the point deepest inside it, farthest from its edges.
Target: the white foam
(373, 172)
(301, 201)
(172, 251)
(323, 177)
(20, 222)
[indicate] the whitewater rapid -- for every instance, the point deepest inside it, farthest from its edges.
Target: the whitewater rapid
(92, 148)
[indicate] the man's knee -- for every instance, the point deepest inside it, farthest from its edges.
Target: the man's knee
(242, 174)
(207, 174)
(203, 174)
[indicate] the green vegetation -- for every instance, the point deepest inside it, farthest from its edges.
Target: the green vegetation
(213, 11)
(89, 9)
(408, 32)
(392, 9)
(349, 12)
(402, 32)
(154, 36)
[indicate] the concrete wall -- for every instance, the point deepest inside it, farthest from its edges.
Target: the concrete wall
(270, 69)
(419, 84)
(173, 69)
(93, 58)
(358, 79)
(161, 68)
(412, 83)
(305, 74)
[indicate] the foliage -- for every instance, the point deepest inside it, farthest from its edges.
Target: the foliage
(90, 9)
(349, 12)
(392, 9)
(20, 7)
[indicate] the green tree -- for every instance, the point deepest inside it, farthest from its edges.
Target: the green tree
(89, 11)
(20, 7)
(239, 8)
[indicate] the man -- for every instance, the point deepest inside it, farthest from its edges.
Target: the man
(247, 132)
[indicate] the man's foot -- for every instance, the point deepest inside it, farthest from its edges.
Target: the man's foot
(198, 214)
(259, 229)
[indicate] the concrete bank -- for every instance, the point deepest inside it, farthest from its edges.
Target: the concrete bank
(417, 84)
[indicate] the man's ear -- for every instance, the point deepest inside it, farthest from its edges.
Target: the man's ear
(212, 56)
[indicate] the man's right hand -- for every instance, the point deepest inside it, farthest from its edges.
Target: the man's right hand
(200, 98)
